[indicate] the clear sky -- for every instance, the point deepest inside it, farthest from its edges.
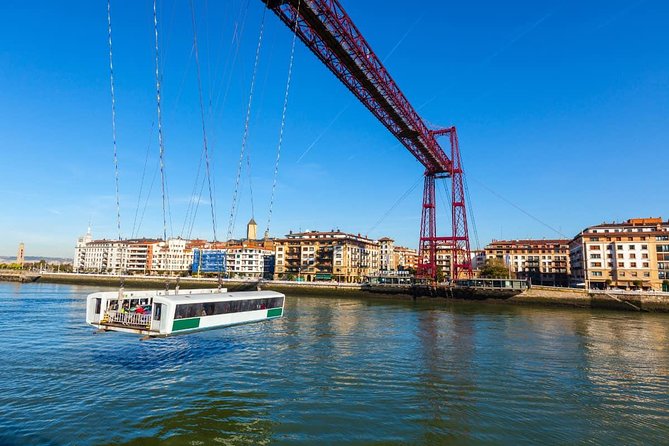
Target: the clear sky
(562, 110)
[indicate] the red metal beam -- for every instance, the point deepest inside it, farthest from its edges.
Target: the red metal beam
(327, 30)
(329, 33)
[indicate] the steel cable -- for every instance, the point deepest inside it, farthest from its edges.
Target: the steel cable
(204, 130)
(113, 112)
(160, 120)
(283, 118)
(233, 209)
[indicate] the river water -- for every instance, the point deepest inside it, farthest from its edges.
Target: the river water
(335, 371)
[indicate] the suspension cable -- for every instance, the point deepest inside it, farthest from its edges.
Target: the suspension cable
(146, 200)
(191, 210)
(397, 203)
(204, 131)
(501, 197)
(160, 120)
(283, 118)
(141, 184)
(113, 113)
(233, 209)
(470, 211)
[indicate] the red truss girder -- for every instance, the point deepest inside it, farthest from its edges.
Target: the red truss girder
(329, 33)
(458, 243)
(327, 30)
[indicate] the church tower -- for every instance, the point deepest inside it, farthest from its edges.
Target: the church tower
(20, 255)
(252, 230)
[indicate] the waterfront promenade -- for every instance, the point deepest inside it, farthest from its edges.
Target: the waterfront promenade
(535, 295)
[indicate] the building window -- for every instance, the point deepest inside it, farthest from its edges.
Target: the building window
(634, 274)
(619, 247)
(633, 265)
(632, 256)
(646, 265)
(596, 274)
(644, 246)
(620, 256)
(632, 246)
(621, 264)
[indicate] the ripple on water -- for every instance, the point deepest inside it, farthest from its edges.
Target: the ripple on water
(334, 371)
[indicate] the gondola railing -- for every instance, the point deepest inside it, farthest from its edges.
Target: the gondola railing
(129, 319)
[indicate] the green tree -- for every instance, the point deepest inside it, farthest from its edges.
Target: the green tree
(494, 269)
(637, 283)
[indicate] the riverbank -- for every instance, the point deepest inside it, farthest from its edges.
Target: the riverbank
(535, 295)
(18, 276)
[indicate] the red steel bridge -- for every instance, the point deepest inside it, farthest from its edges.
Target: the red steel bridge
(331, 35)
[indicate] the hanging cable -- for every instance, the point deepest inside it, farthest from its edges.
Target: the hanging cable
(470, 211)
(250, 178)
(233, 209)
(141, 183)
(160, 120)
(397, 203)
(146, 200)
(520, 209)
(204, 131)
(191, 210)
(192, 221)
(283, 117)
(113, 113)
(231, 60)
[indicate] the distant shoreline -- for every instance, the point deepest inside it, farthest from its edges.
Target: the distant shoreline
(536, 295)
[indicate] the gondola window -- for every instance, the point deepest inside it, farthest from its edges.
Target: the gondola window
(184, 311)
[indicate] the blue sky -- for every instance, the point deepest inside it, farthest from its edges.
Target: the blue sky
(562, 110)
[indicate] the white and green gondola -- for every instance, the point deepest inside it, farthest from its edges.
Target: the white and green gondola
(171, 312)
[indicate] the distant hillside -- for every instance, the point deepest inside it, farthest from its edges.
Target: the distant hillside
(30, 259)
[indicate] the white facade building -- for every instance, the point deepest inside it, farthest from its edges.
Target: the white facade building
(139, 256)
(248, 262)
(170, 256)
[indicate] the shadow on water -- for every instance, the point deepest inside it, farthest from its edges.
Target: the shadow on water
(214, 417)
(160, 353)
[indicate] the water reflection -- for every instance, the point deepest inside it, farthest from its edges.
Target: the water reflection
(335, 371)
(220, 416)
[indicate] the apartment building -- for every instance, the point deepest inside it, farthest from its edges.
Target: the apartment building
(394, 257)
(405, 258)
(170, 256)
(135, 256)
(544, 262)
(629, 255)
(332, 255)
(250, 261)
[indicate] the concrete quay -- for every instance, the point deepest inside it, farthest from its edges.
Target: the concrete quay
(18, 276)
(535, 295)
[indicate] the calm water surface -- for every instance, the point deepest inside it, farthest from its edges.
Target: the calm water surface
(335, 371)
